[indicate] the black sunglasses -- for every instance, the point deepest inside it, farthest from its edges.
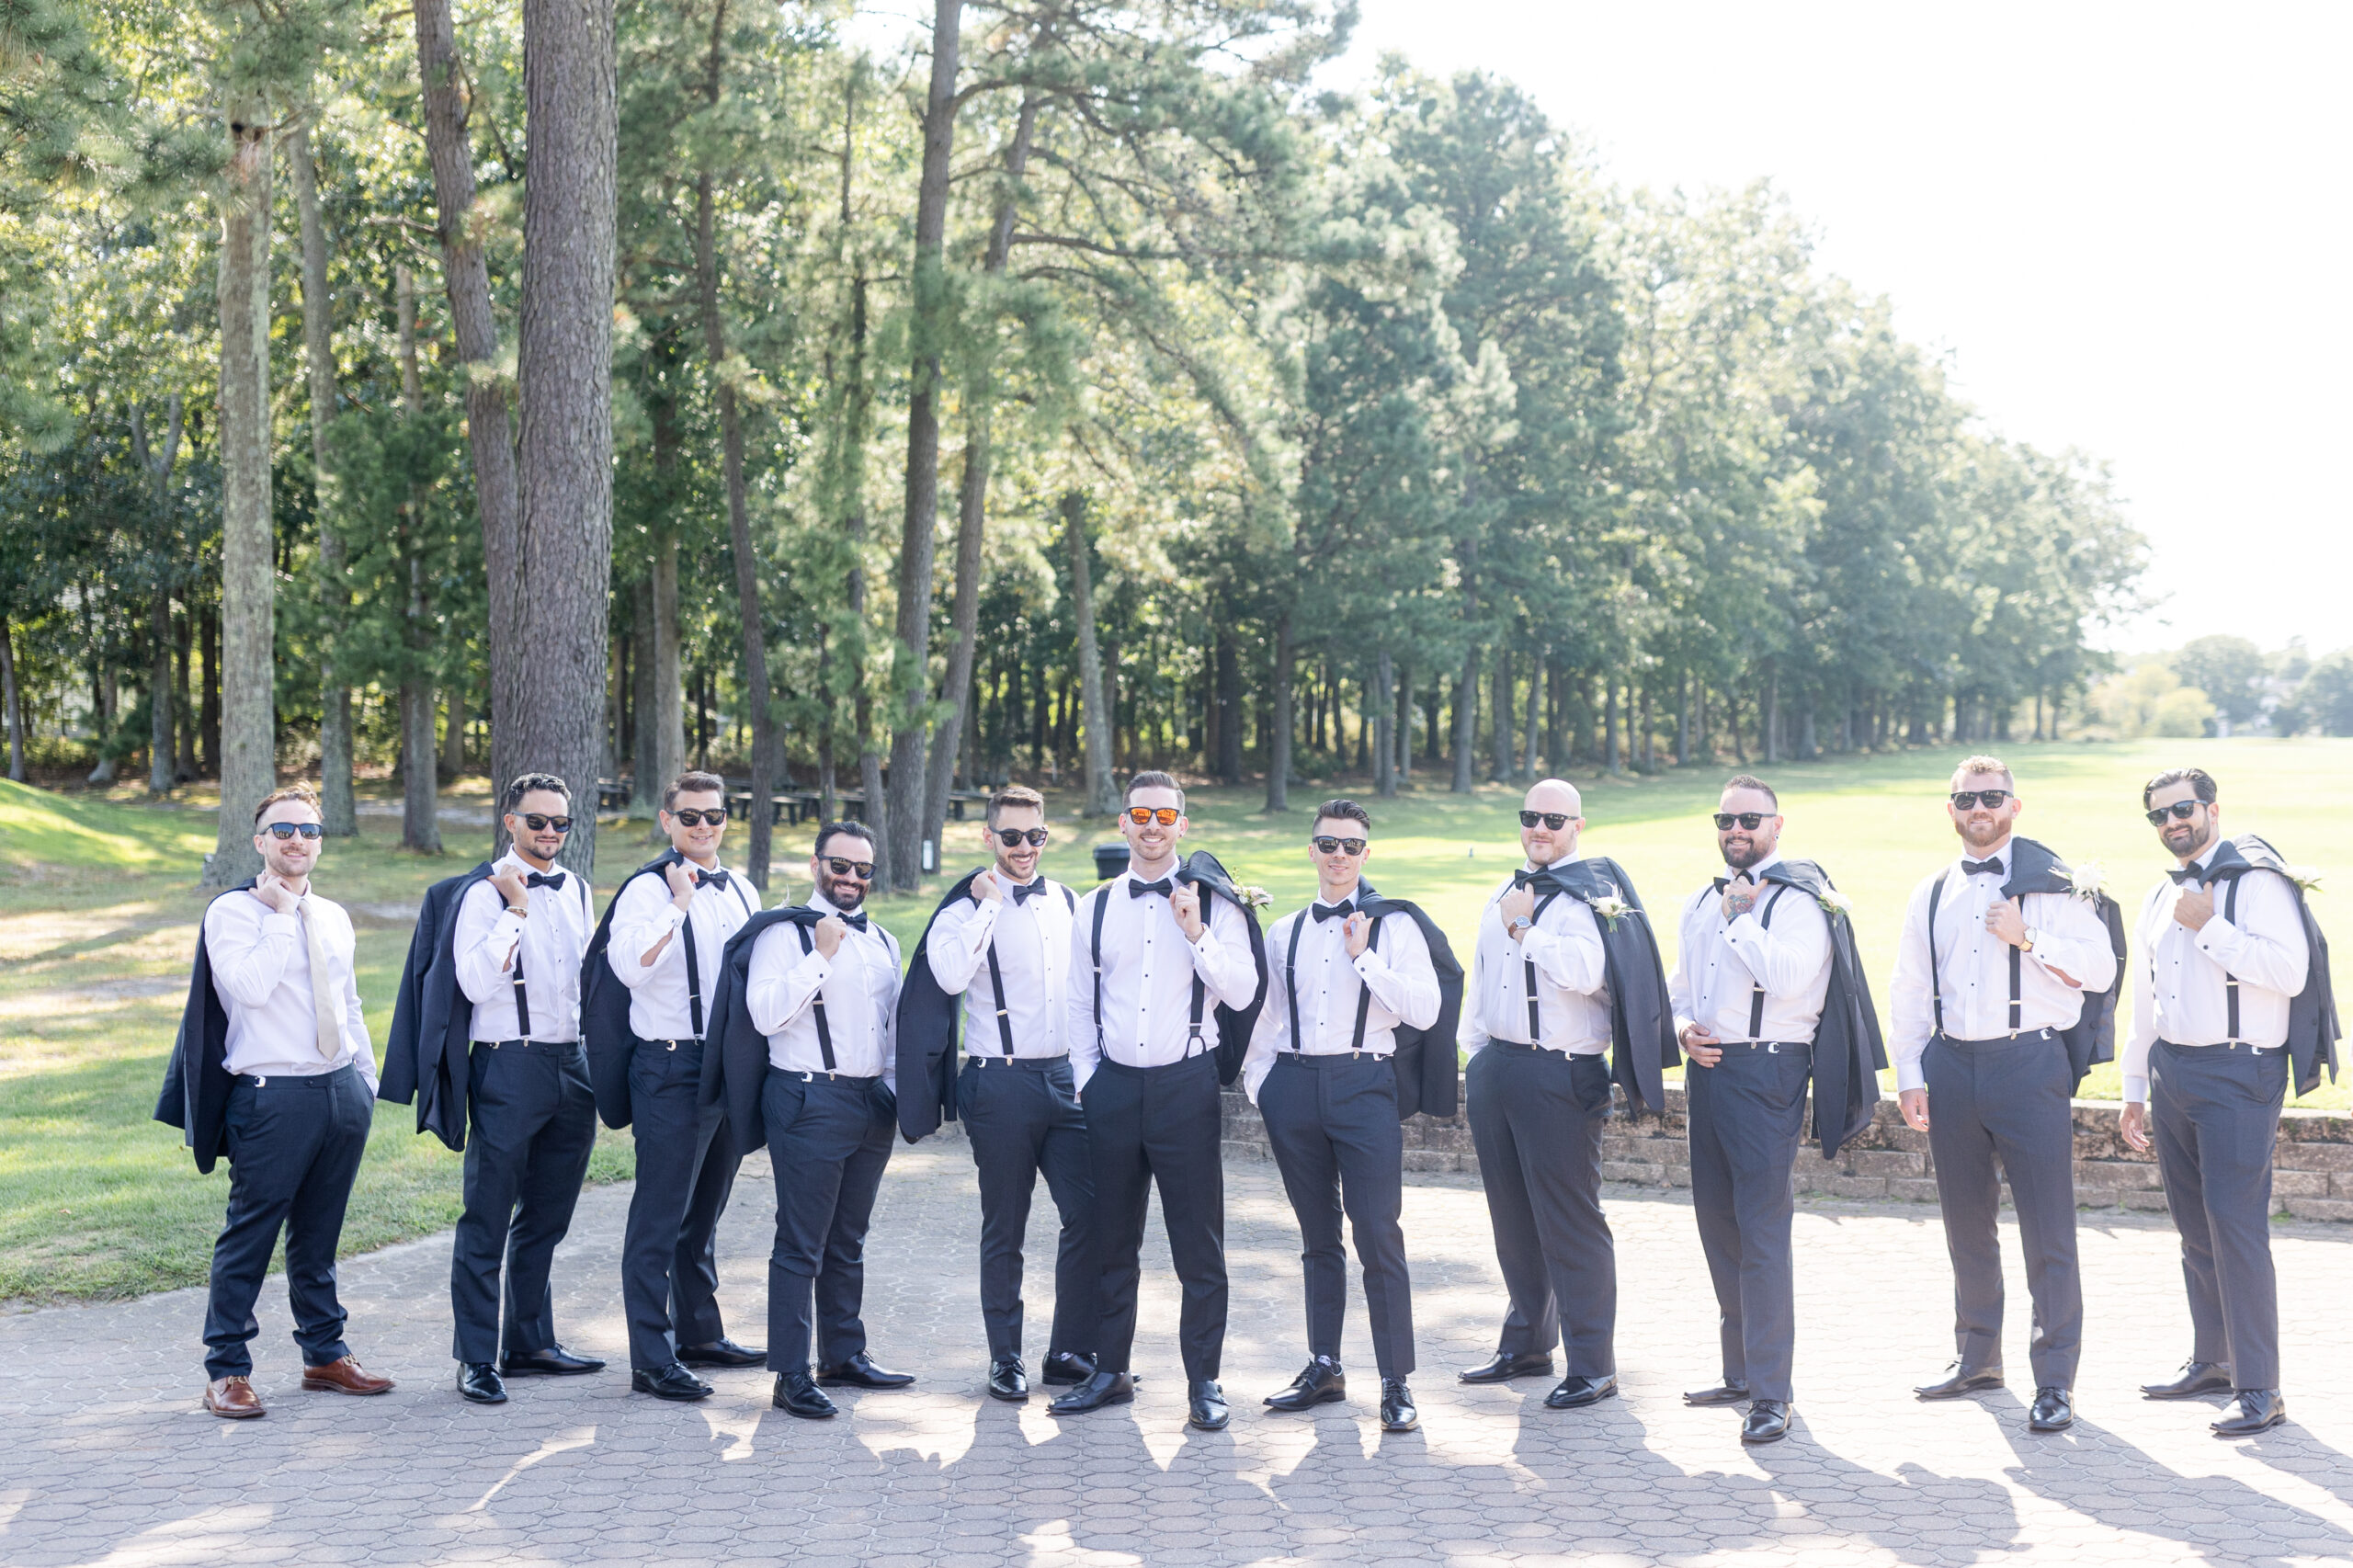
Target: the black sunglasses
(539, 823)
(283, 831)
(1015, 837)
(1556, 821)
(1967, 799)
(2180, 811)
(1749, 820)
(1165, 815)
(862, 870)
(1327, 844)
(690, 817)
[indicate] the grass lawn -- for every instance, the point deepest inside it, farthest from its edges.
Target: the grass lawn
(98, 916)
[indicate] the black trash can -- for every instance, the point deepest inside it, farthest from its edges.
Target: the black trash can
(1110, 860)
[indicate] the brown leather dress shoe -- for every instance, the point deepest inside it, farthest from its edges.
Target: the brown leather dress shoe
(233, 1399)
(344, 1376)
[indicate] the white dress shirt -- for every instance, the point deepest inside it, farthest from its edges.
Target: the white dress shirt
(1572, 977)
(1148, 974)
(1395, 970)
(643, 914)
(1720, 965)
(261, 968)
(859, 985)
(2180, 985)
(552, 941)
(1974, 965)
(1032, 936)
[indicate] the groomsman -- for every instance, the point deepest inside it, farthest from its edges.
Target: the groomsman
(2227, 996)
(998, 954)
(1559, 941)
(1151, 950)
(520, 935)
(822, 984)
(1342, 975)
(1751, 971)
(660, 947)
(274, 1068)
(1989, 979)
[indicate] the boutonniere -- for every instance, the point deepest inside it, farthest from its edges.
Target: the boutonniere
(1610, 909)
(2305, 877)
(2085, 882)
(1254, 896)
(1835, 903)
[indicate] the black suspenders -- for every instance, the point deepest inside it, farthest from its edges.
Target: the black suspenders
(1535, 1028)
(1756, 992)
(1291, 986)
(1200, 992)
(1936, 981)
(996, 978)
(825, 1030)
(2230, 980)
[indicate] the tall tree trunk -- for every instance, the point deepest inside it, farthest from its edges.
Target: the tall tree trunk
(565, 361)
(13, 700)
(208, 725)
(1771, 740)
(846, 477)
(1280, 725)
(453, 733)
(1466, 686)
(662, 724)
(248, 584)
(1609, 723)
(1536, 664)
(162, 761)
(337, 807)
(972, 504)
(420, 778)
(645, 741)
(1102, 799)
(1500, 721)
(465, 275)
(1229, 708)
(1404, 724)
(183, 693)
(1385, 709)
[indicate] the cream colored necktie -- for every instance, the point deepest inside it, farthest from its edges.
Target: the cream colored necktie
(324, 993)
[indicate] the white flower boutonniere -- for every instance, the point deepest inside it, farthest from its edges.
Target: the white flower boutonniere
(2085, 882)
(1835, 903)
(2305, 877)
(1255, 897)
(1610, 909)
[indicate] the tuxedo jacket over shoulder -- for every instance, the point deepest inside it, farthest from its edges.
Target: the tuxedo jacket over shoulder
(1849, 1047)
(1428, 1065)
(196, 1082)
(1641, 1018)
(428, 1055)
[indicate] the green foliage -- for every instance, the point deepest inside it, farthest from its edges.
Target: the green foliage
(2326, 696)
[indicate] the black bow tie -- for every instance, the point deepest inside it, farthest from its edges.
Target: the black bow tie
(710, 879)
(1162, 887)
(1981, 867)
(1339, 911)
(2189, 875)
(1543, 881)
(550, 880)
(855, 921)
(1028, 891)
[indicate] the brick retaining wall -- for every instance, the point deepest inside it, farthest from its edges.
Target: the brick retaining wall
(2312, 1179)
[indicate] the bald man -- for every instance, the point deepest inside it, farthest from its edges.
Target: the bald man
(1535, 1022)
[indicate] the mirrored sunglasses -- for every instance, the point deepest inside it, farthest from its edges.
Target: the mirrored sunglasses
(862, 870)
(1165, 815)
(283, 831)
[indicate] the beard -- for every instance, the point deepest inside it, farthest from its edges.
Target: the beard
(1740, 857)
(844, 893)
(2190, 845)
(1982, 838)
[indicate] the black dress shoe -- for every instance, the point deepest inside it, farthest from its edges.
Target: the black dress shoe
(2197, 1378)
(1963, 1380)
(797, 1394)
(1322, 1383)
(2054, 1411)
(1768, 1421)
(1726, 1393)
(673, 1381)
(1007, 1379)
(1205, 1405)
(2254, 1409)
(1099, 1389)
(1575, 1393)
(479, 1381)
(1065, 1366)
(1397, 1411)
(721, 1353)
(1500, 1367)
(556, 1361)
(860, 1372)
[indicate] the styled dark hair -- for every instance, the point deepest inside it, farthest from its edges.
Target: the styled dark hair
(855, 830)
(302, 793)
(694, 784)
(1344, 810)
(2201, 784)
(526, 782)
(1014, 795)
(1151, 778)
(1750, 781)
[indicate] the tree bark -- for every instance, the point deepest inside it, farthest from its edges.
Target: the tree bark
(849, 487)
(1282, 720)
(1404, 681)
(1102, 799)
(1229, 708)
(565, 363)
(162, 750)
(453, 733)
(911, 677)
(465, 275)
(1535, 716)
(1384, 727)
(420, 774)
(249, 713)
(13, 700)
(1502, 732)
(645, 749)
(338, 808)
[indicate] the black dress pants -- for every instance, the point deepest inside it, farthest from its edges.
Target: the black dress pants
(1746, 1115)
(829, 1138)
(2005, 1100)
(1536, 1118)
(2217, 1113)
(294, 1148)
(686, 1168)
(1332, 1121)
(533, 1124)
(1023, 1121)
(1159, 1126)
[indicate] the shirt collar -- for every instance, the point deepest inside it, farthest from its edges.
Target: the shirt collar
(1354, 895)
(819, 901)
(1999, 852)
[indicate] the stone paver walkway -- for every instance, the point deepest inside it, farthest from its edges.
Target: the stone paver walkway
(110, 1460)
